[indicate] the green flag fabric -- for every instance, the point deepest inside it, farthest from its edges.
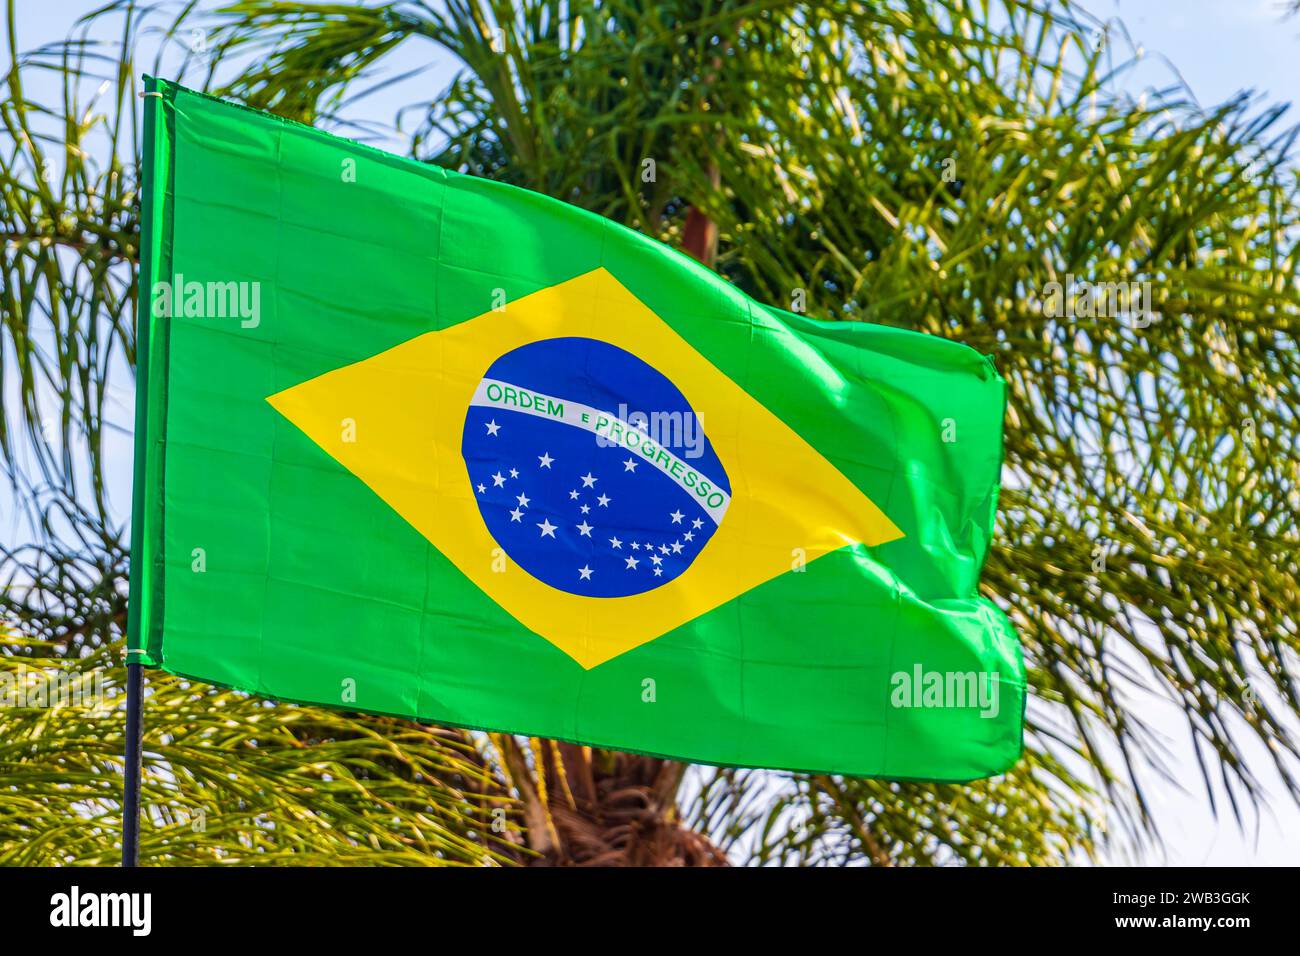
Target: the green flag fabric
(417, 443)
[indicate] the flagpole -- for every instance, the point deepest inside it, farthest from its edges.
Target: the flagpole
(154, 140)
(131, 771)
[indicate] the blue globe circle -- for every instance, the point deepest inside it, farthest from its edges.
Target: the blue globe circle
(591, 470)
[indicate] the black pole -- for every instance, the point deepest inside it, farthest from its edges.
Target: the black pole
(131, 775)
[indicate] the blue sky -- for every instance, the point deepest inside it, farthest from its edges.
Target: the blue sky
(1219, 48)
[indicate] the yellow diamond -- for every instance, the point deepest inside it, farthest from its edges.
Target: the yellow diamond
(788, 505)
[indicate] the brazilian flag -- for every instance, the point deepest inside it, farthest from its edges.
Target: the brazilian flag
(417, 443)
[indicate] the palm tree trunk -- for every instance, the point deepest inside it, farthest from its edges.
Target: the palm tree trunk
(609, 809)
(603, 808)
(700, 235)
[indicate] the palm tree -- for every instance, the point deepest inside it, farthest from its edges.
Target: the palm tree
(930, 164)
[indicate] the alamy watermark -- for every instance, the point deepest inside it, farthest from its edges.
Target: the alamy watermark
(669, 430)
(1075, 299)
(133, 911)
(24, 686)
(946, 689)
(192, 299)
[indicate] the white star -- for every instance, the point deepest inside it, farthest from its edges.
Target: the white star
(648, 546)
(516, 515)
(498, 480)
(663, 549)
(656, 560)
(677, 547)
(572, 495)
(588, 481)
(689, 536)
(658, 572)
(482, 488)
(523, 500)
(585, 529)
(514, 473)
(548, 529)
(629, 465)
(677, 517)
(493, 427)
(616, 543)
(585, 509)
(697, 523)
(635, 546)
(585, 572)
(603, 501)
(545, 459)
(632, 563)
